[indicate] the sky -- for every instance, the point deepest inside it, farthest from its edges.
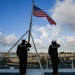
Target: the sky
(15, 21)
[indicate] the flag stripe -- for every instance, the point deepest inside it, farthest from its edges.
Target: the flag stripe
(40, 13)
(37, 13)
(50, 20)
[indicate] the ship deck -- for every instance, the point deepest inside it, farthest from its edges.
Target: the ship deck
(37, 72)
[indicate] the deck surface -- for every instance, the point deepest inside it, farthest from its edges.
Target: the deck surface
(37, 72)
(32, 74)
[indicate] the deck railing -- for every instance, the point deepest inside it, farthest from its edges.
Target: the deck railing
(65, 61)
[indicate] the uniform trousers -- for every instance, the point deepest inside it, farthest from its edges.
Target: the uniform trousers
(23, 65)
(54, 59)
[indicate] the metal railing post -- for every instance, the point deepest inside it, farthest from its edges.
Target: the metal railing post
(47, 62)
(72, 62)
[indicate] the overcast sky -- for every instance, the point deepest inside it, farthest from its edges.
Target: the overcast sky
(15, 19)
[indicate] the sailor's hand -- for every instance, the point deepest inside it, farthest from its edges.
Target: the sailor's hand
(28, 49)
(26, 41)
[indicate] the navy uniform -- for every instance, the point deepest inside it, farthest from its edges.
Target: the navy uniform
(22, 55)
(54, 55)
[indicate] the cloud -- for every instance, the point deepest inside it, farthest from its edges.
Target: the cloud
(64, 13)
(67, 43)
(7, 40)
(45, 31)
(44, 34)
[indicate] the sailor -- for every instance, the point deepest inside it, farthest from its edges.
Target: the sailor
(22, 55)
(53, 53)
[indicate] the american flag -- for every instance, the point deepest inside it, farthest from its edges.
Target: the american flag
(40, 13)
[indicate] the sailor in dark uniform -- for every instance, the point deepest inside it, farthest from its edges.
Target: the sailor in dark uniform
(53, 53)
(22, 55)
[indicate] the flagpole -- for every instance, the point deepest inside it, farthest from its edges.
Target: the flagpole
(30, 22)
(33, 40)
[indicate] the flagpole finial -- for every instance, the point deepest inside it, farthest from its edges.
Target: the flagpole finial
(33, 0)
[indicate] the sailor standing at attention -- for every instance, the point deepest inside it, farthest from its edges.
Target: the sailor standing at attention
(53, 53)
(22, 55)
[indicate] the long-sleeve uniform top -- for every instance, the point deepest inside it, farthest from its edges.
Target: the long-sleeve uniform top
(22, 50)
(53, 49)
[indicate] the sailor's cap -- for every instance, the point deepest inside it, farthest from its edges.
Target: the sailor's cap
(53, 40)
(23, 40)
